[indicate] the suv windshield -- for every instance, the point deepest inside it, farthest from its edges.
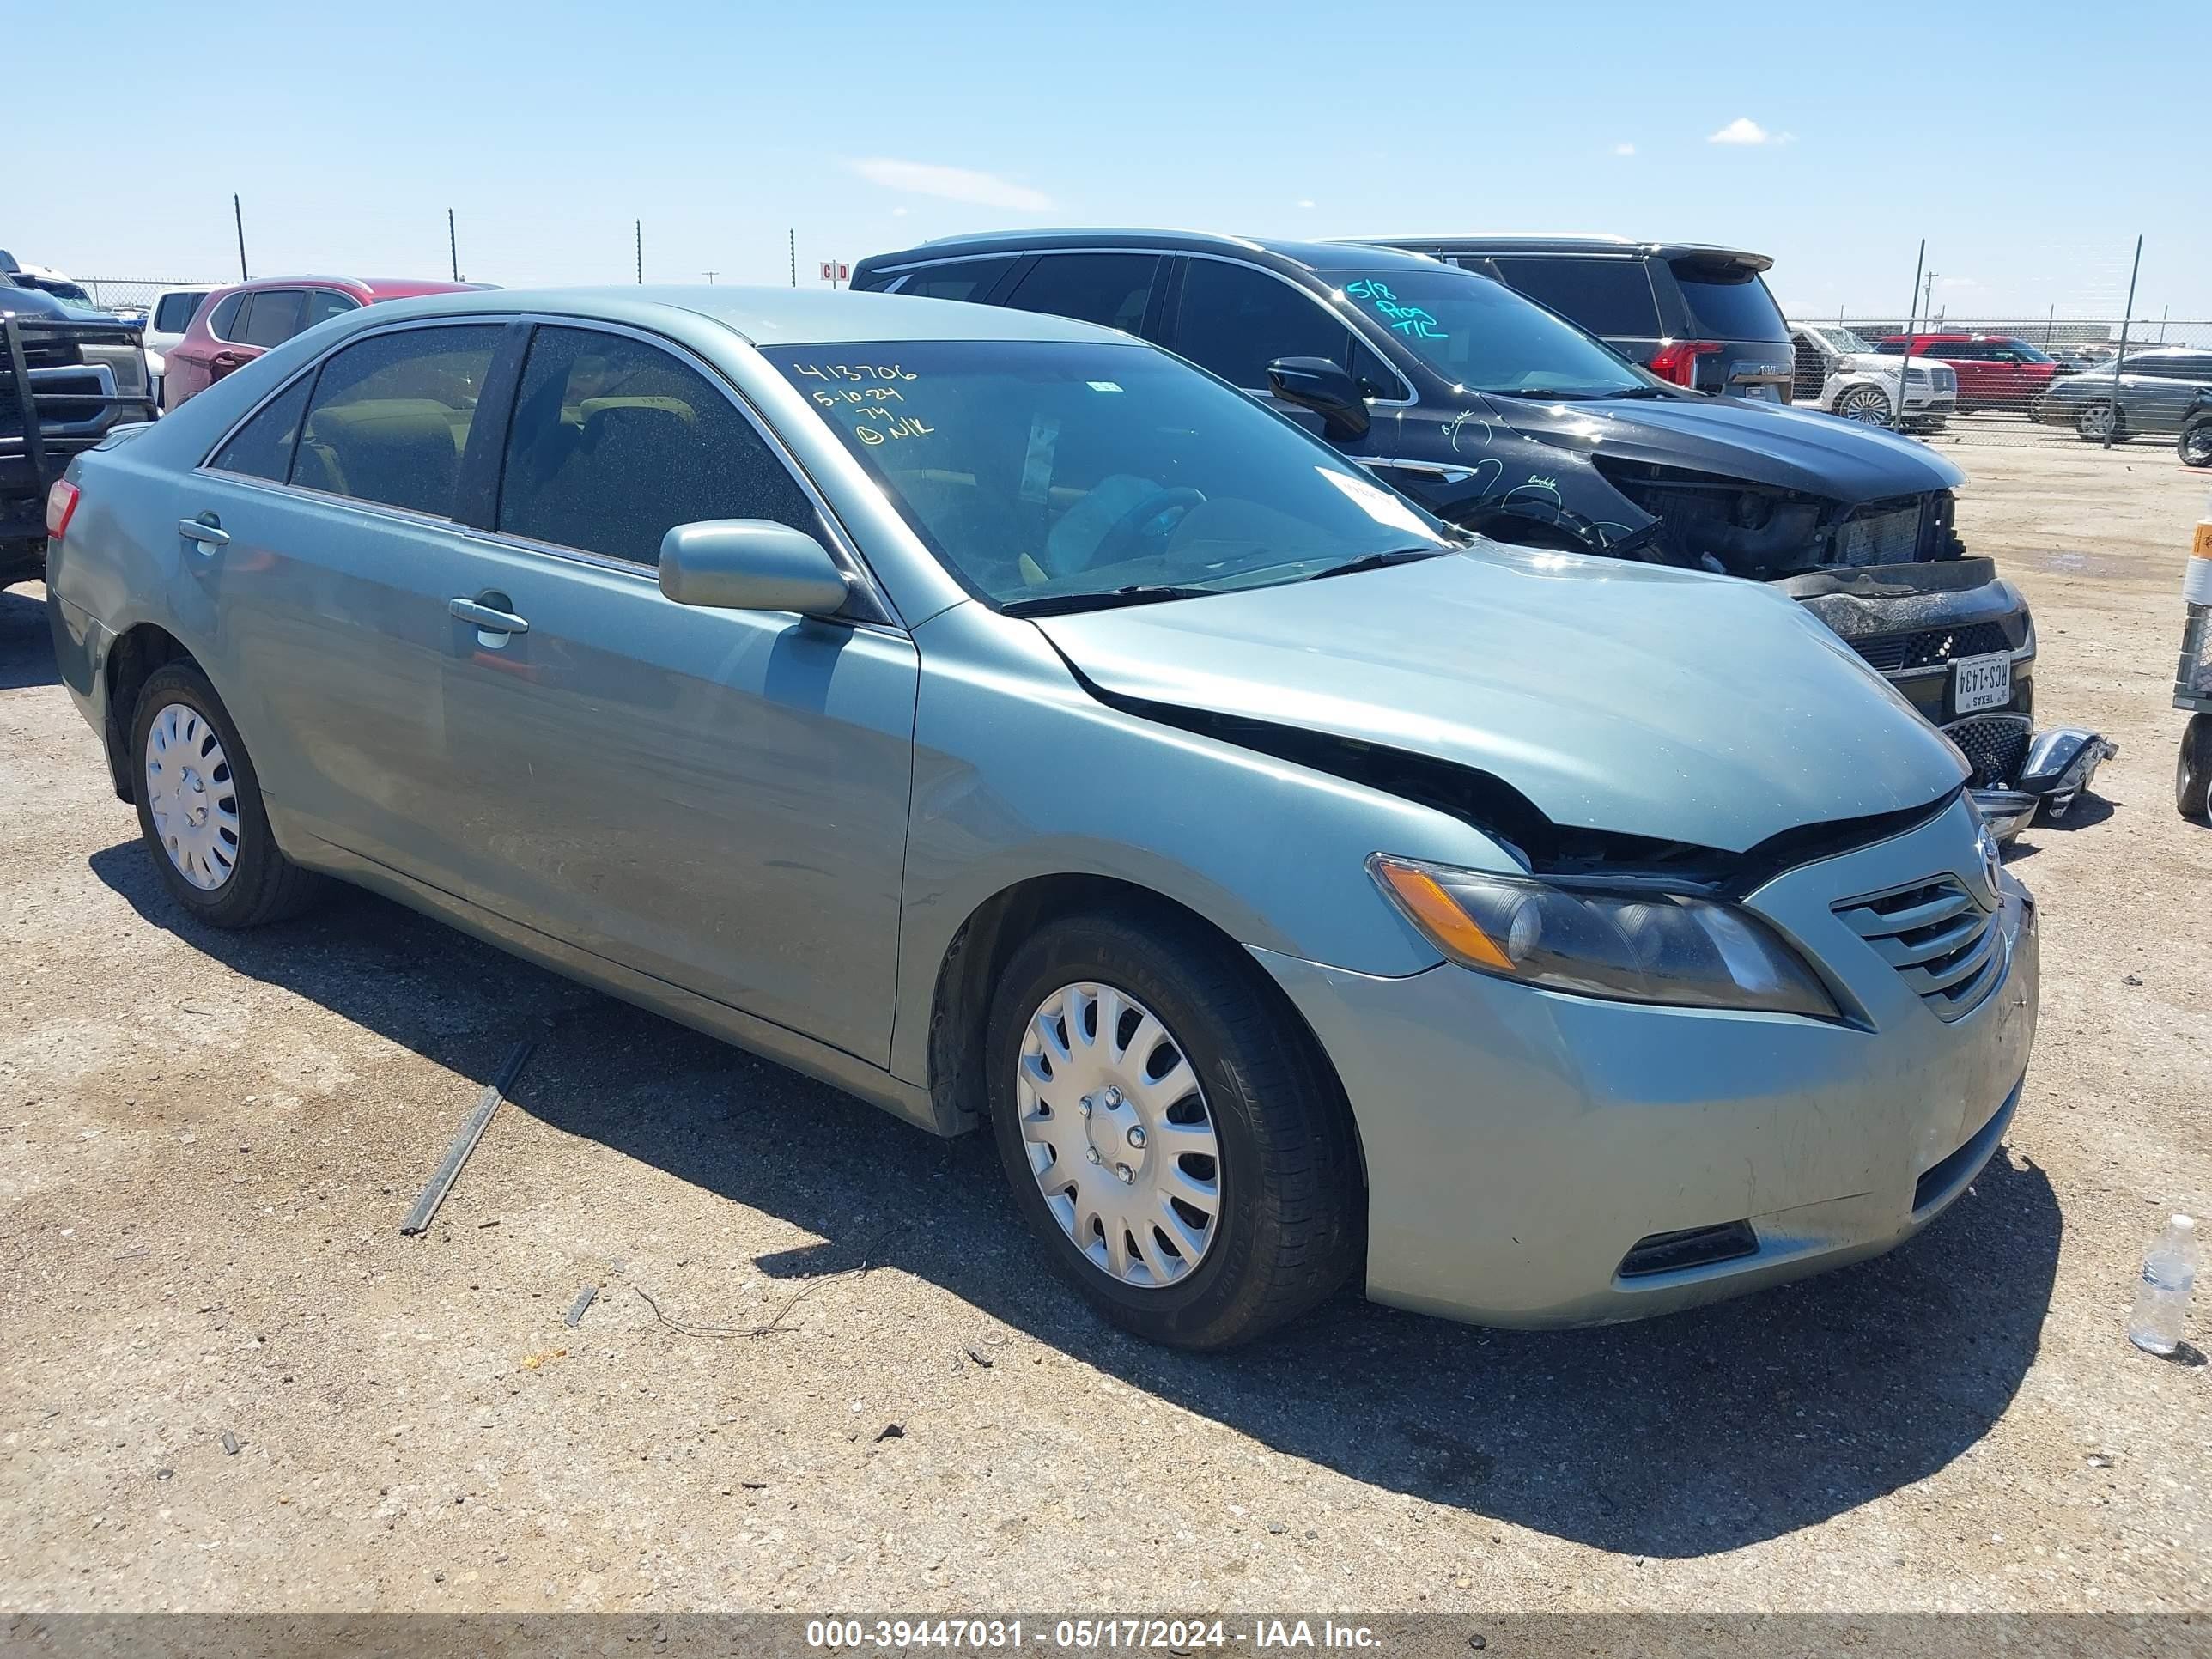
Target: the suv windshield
(1049, 475)
(1483, 337)
(1836, 337)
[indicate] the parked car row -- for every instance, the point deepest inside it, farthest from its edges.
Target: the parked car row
(1505, 418)
(1027, 730)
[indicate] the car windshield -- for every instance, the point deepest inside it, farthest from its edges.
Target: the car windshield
(1051, 474)
(1483, 337)
(2029, 353)
(1838, 338)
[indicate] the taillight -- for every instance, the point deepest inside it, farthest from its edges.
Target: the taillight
(1677, 360)
(61, 505)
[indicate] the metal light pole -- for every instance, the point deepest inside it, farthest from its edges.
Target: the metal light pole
(638, 229)
(453, 246)
(1912, 323)
(2134, 270)
(792, 239)
(238, 218)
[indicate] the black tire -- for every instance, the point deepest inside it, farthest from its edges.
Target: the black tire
(2086, 417)
(1290, 1227)
(2194, 446)
(2192, 769)
(262, 884)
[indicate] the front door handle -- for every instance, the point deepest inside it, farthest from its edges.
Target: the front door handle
(207, 530)
(483, 616)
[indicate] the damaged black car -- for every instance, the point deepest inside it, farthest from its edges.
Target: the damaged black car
(1507, 419)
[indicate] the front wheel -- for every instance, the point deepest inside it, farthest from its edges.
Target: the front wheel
(2097, 422)
(2195, 444)
(1865, 403)
(1170, 1134)
(2192, 769)
(199, 806)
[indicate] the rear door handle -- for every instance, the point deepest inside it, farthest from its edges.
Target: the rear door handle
(205, 530)
(483, 616)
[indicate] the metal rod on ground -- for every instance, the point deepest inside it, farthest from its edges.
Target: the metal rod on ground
(2112, 428)
(1912, 323)
(452, 245)
(238, 218)
(464, 1142)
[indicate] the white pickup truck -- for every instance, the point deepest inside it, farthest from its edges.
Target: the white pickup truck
(1840, 373)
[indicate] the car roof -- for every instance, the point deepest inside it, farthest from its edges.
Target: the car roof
(377, 287)
(1264, 250)
(1529, 241)
(774, 316)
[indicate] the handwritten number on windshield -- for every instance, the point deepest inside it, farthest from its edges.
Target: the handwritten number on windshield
(1407, 320)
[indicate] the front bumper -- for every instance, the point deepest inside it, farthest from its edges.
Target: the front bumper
(1520, 1143)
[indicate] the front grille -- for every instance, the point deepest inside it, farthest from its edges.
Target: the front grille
(1931, 648)
(1942, 943)
(1891, 538)
(1994, 745)
(1692, 1247)
(1946, 378)
(1940, 1179)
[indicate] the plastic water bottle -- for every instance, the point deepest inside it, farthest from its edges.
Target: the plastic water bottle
(2162, 1298)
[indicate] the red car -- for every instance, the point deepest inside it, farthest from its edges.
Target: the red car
(235, 325)
(1995, 371)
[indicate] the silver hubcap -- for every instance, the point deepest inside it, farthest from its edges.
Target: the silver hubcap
(2097, 420)
(191, 797)
(1864, 406)
(1118, 1134)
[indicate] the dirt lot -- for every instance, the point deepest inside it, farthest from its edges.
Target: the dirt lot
(207, 1142)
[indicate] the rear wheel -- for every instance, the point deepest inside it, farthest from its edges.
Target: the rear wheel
(2195, 444)
(1865, 403)
(2192, 769)
(1170, 1133)
(2098, 422)
(199, 806)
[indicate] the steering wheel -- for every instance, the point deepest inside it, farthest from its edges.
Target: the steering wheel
(1133, 524)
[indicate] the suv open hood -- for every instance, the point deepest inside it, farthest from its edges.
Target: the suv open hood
(1615, 696)
(1793, 449)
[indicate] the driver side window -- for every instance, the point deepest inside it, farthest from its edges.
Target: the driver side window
(1235, 320)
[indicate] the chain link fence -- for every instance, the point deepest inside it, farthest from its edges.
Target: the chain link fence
(138, 293)
(2011, 380)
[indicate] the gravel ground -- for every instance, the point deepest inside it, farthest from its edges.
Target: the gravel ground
(862, 1392)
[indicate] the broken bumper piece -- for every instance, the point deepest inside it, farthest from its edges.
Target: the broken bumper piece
(2018, 771)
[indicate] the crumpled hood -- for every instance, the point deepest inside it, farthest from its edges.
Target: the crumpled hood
(1793, 449)
(1618, 697)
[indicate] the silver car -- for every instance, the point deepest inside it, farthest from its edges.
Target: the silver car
(2152, 391)
(1012, 724)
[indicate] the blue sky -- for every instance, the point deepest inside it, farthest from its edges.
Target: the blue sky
(1824, 136)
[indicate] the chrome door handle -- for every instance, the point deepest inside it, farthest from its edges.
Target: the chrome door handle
(205, 530)
(483, 616)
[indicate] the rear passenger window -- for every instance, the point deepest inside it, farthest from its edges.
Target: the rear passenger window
(223, 321)
(391, 417)
(614, 443)
(262, 448)
(1606, 296)
(969, 279)
(1237, 320)
(1109, 289)
(273, 317)
(324, 303)
(175, 313)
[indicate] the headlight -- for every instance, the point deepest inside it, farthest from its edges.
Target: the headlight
(1633, 945)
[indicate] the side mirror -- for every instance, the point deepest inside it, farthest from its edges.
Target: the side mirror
(749, 564)
(1318, 384)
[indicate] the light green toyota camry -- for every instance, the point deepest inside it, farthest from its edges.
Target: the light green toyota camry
(1022, 729)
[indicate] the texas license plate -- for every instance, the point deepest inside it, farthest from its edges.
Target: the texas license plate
(1981, 681)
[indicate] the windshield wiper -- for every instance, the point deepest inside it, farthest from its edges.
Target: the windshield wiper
(1376, 561)
(1054, 605)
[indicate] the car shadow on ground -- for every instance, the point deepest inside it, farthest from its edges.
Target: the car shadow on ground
(1676, 1438)
(27, 652)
